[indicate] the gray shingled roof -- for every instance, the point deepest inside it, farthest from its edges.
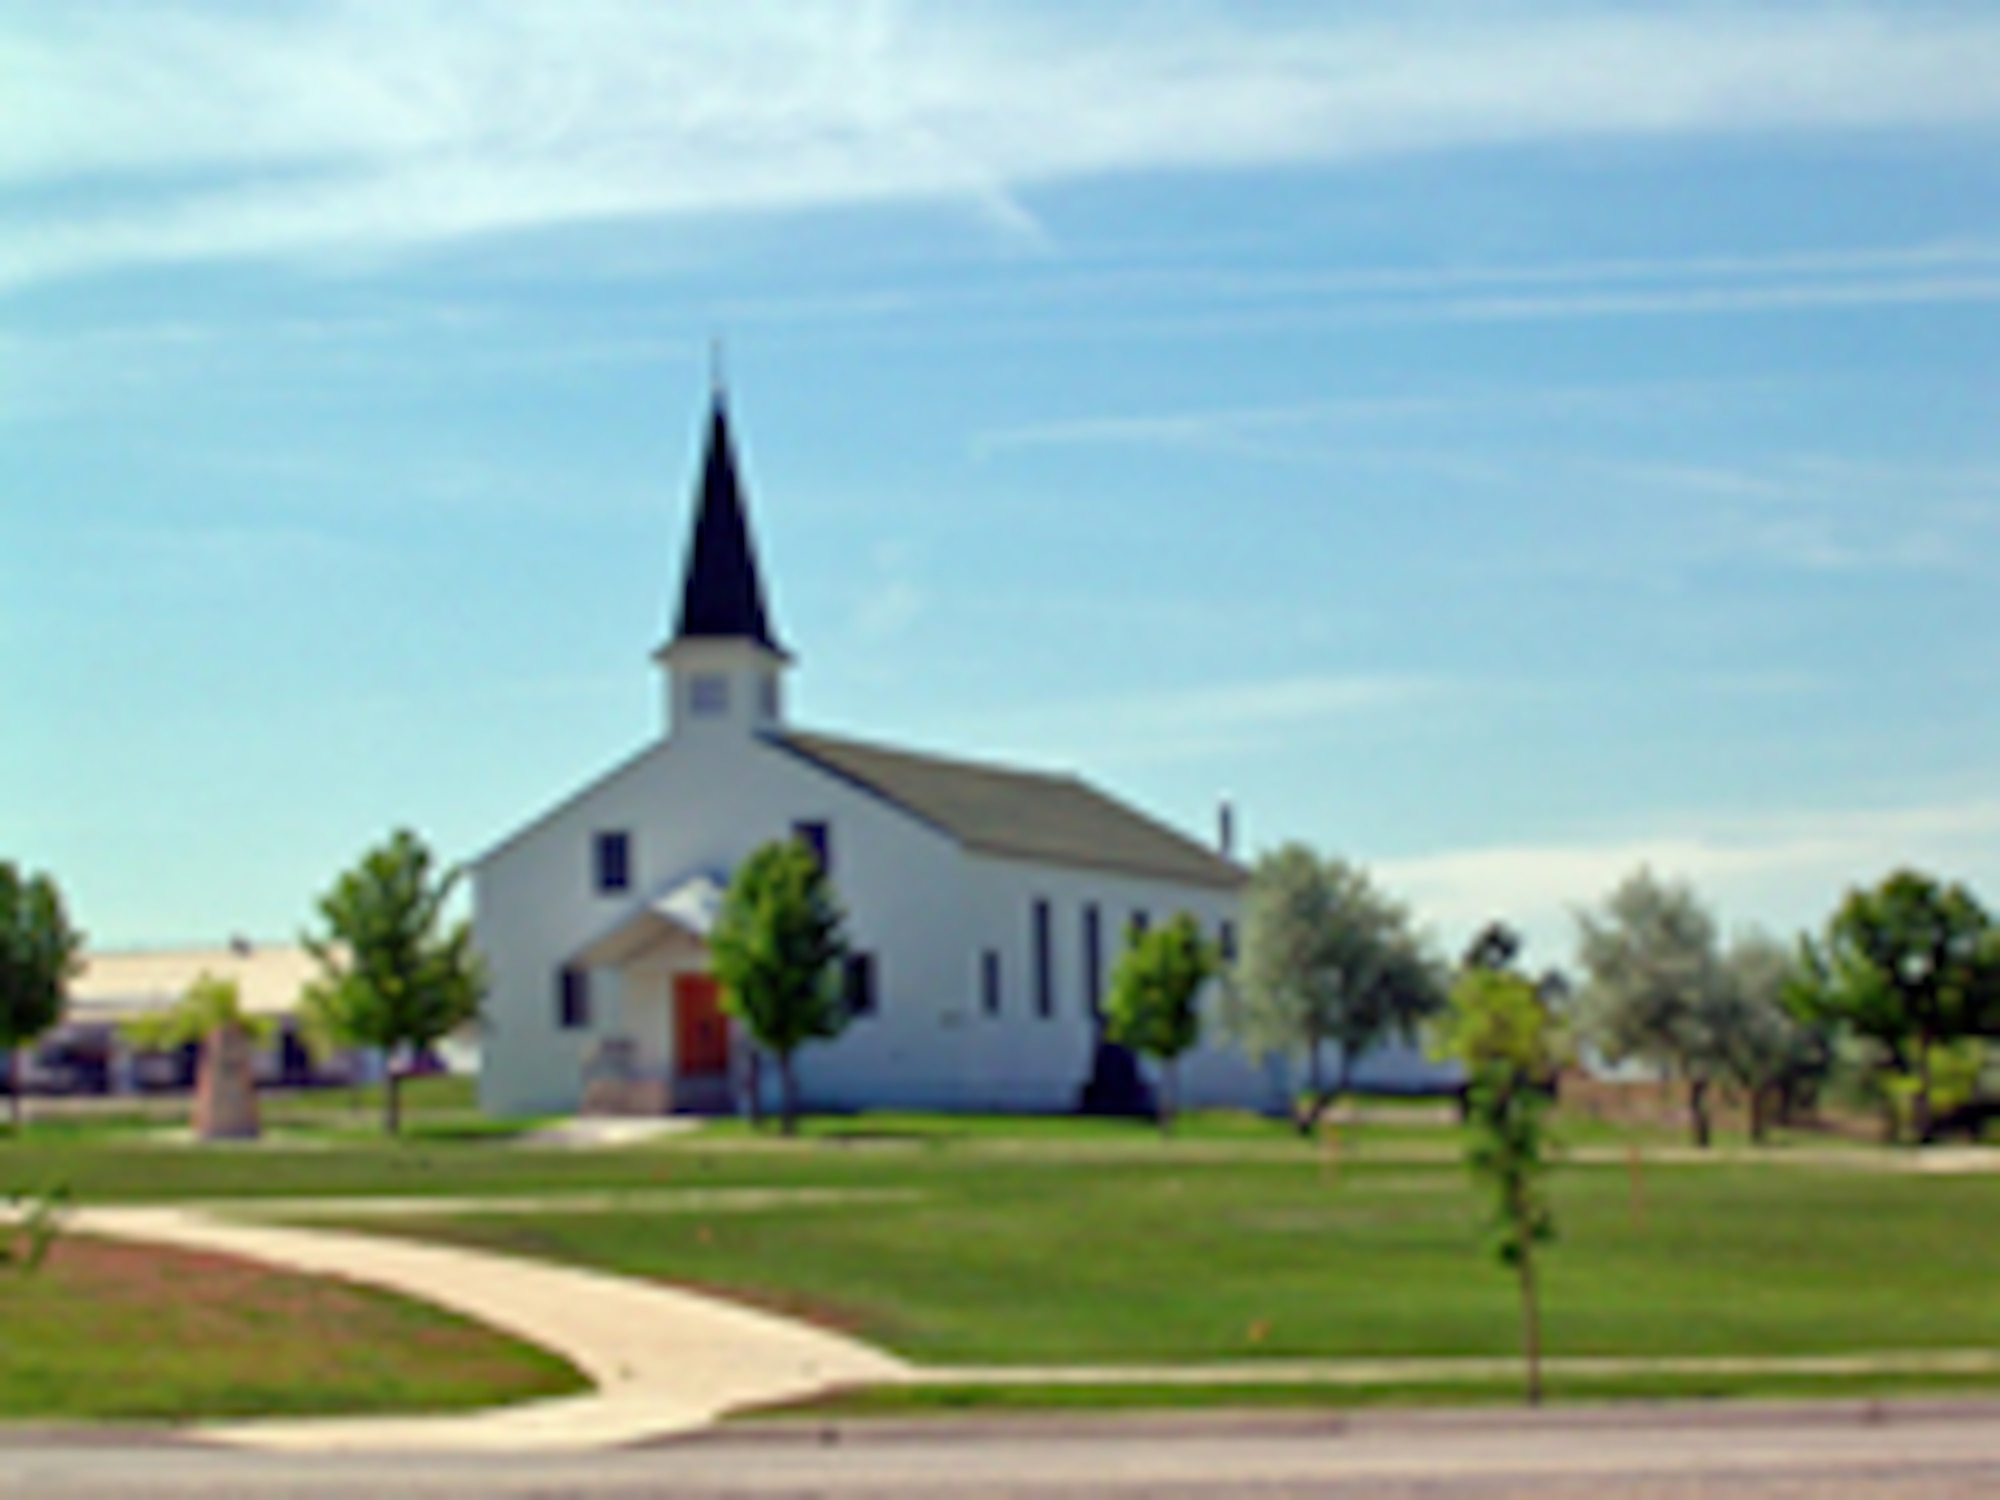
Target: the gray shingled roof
(1026, 814)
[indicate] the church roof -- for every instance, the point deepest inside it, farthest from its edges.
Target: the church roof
(722, 595)
(1023, 814)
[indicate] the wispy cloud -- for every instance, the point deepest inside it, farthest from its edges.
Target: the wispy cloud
(209, 557)
(1816, 513)
(1234, 718)
(1965, 272)
(1808, 512)
(178, 132)
(1240, 429)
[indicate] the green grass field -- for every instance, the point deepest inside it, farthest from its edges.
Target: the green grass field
(113, 1331)
(1049, 1241)
(1558, 1387)
(1045, 1258)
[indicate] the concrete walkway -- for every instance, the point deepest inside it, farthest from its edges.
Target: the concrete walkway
(663, 1361)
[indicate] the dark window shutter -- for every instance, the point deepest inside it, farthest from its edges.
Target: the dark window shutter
(572, 998)
(1045, 977)
(858, 982)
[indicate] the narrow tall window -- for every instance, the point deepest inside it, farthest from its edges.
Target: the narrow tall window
(1045, 976)
(858, 980)
(1225, 942)
(613, 861)
(817, 837)
(989, 981)
(572, 998)
(1140, 921)
(1093, 960)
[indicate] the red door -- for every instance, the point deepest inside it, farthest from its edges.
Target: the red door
(701, 1030)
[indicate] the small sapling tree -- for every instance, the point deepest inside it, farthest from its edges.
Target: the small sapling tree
(1501, 1029)
(1153, 1006)
(394, 974)
(777, 948)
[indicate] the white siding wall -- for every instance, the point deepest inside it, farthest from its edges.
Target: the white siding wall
(699, 803)
(1024, 1060)
(926, 909)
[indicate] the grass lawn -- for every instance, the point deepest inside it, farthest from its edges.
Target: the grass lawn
(1064, 1256)
(951, 1400)
(105, 1330)
(1008, 1241)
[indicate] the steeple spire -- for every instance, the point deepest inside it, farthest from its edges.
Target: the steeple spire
(725, 669)
(722, 594)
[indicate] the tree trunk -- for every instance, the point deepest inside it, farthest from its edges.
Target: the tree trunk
(1531, 1317)
(1341, 1085)
(1920, 1106)
(788, 1102)
(1169, 1091)
(1698, 1110)
(14, 1087)
(1315, 1085)
(1759, 1125)
(392, 1099)
(756, 1072)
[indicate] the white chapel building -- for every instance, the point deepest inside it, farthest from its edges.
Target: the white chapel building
(985, 905)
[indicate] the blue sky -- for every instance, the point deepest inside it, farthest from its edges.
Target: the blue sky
(1497, 443)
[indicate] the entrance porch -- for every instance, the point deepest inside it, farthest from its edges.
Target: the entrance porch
(673, 1050)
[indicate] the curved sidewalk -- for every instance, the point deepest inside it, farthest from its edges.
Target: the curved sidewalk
(662, 1360)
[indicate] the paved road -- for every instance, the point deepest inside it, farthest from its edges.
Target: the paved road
(1936, 1450)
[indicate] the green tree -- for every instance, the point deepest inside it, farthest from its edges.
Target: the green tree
(1327, 958)
(777, 947)
(395, 974)
(38, 956)
(1494, 946)
(1153, 1005)
(208, 1004)
(1910, 965)
(1506, 1035)
(1501, 1017)
(1654, 984)
(1497, 946)
(1775, 1056)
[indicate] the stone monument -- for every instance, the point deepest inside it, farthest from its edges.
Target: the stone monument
(225, 1090)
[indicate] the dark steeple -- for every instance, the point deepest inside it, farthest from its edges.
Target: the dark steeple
(721, 594)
